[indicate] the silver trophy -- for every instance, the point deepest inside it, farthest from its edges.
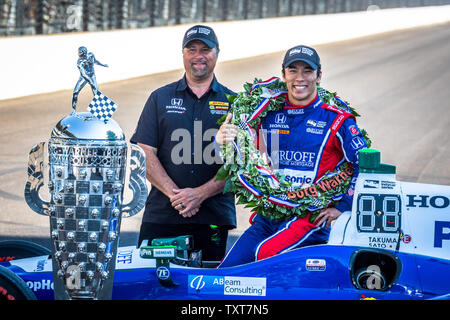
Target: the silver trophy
(87, 155)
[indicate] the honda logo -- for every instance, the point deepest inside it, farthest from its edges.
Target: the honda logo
(357, 143)
(176, 102)
(280, 118)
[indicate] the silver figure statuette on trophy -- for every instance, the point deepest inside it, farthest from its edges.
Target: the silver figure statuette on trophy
(87, 155)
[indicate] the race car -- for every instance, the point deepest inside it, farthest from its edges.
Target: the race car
(394, 244)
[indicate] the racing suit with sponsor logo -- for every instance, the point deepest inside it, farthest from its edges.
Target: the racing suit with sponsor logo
(302, 143)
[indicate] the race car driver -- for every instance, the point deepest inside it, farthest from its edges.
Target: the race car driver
(313, 138)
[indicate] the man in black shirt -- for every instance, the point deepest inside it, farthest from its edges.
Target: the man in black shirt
(176, 130)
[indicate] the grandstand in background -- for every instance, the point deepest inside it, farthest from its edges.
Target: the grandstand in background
(30, 17)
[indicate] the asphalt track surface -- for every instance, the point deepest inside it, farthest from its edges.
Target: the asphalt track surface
(397, 81)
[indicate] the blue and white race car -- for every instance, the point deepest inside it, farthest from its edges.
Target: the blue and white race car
(395, 244)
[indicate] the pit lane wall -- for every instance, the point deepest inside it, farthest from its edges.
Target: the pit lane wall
(47, 63)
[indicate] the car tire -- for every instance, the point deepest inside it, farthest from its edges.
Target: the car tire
(12, 287)
(20, 249)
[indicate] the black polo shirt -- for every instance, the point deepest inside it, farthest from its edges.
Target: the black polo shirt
(182, 127)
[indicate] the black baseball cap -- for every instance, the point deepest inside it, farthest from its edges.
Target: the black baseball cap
(302, 53)
(202, 33)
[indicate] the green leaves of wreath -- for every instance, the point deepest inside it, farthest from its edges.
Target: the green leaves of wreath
(247, 173)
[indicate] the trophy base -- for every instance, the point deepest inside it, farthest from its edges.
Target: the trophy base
(83, 296)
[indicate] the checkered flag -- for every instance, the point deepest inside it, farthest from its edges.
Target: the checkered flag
(242, 125)
(243, 121)
(102, 107)
(322, 92)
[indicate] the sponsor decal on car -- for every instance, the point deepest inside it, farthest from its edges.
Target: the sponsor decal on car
(125, 256)
(388, 185)
(441, 233)
(406, 238)
(224, 285)
(426, 201)
(7, 258)
(363, 297)
(163, 273)
(383, 242)
(44, 284)
(374, 184)
(316, 264)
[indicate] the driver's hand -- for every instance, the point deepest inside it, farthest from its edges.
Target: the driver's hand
(327, 215)
(227, 132)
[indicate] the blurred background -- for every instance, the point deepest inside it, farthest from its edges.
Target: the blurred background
(28, 17)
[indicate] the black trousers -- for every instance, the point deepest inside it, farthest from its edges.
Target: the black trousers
(212, 240)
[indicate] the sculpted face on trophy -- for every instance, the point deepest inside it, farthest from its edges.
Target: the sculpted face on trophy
(87, 161)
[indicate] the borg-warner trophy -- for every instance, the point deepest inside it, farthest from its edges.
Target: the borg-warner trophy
(87, 155)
